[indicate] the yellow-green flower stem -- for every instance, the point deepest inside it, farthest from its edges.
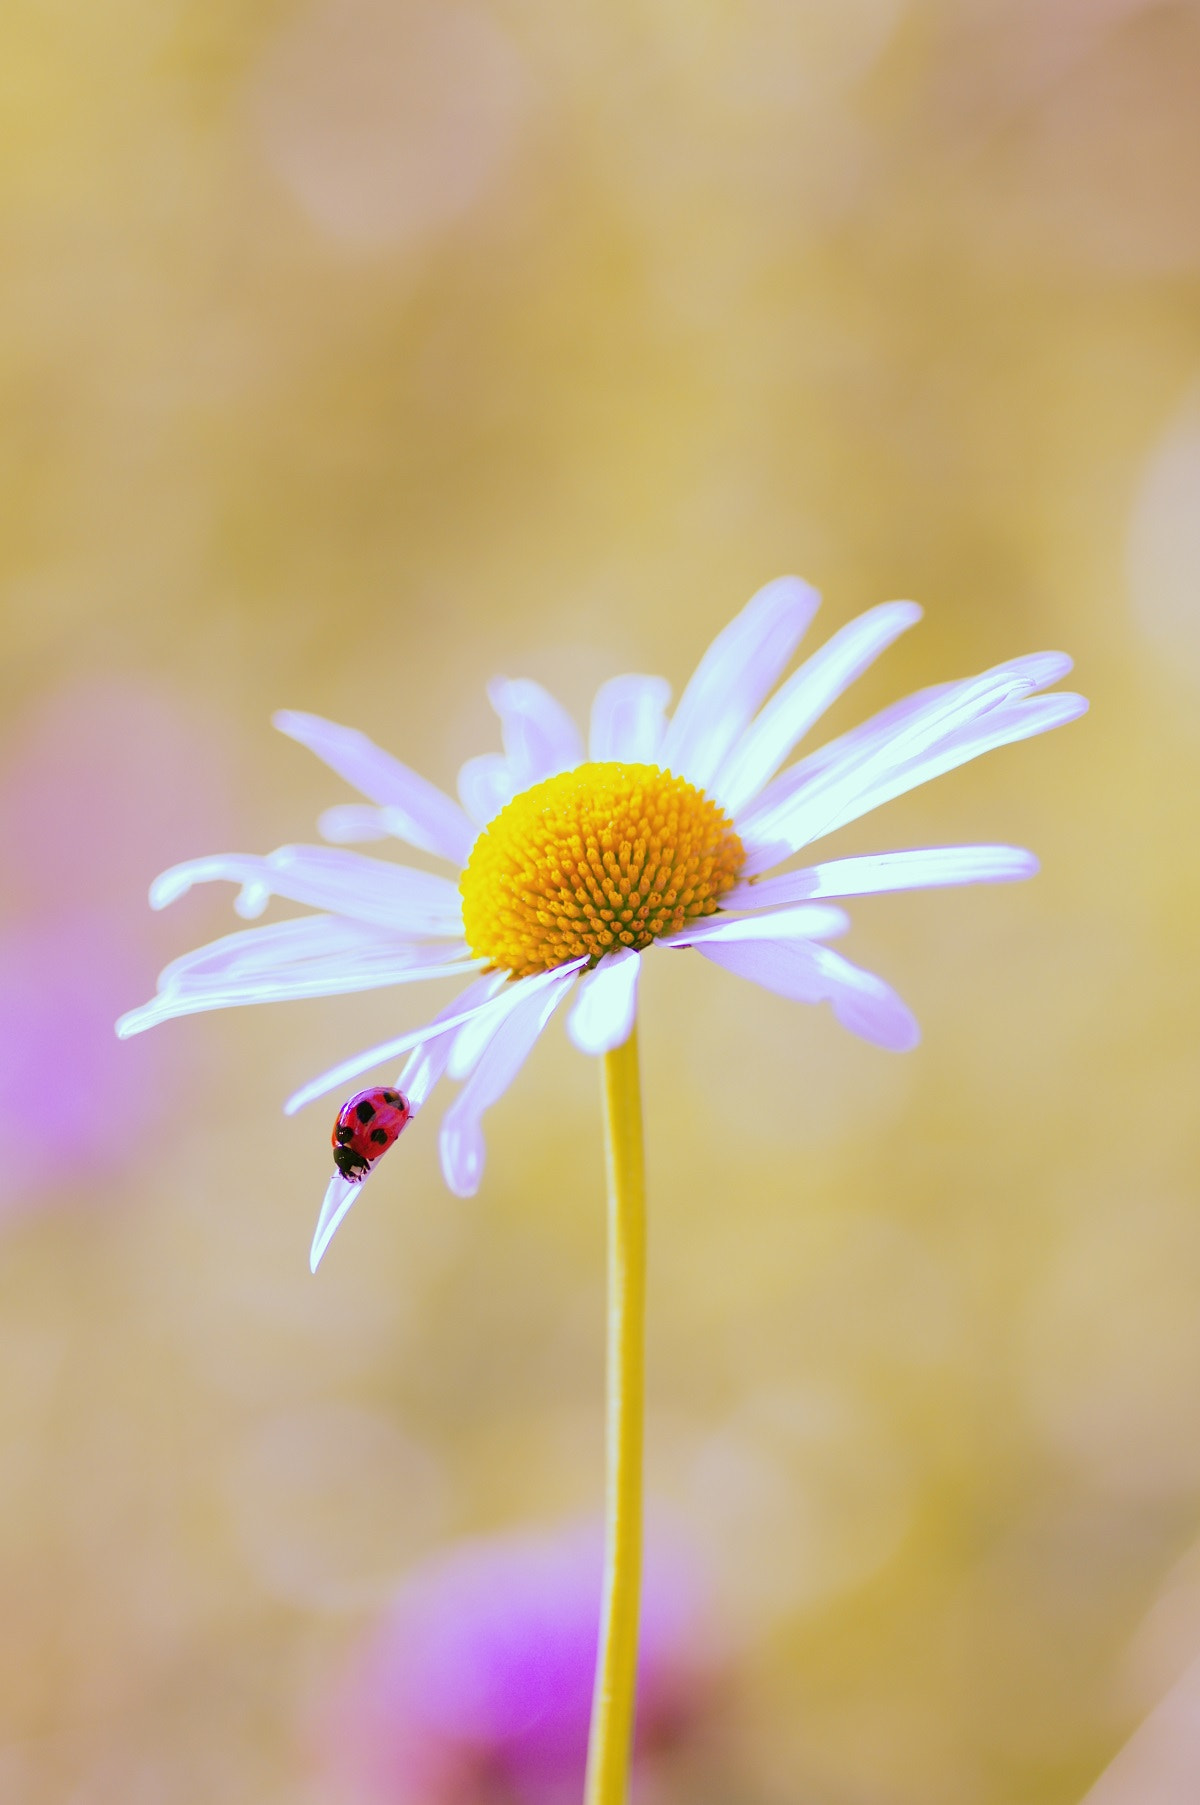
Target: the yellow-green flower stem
(616, 1673)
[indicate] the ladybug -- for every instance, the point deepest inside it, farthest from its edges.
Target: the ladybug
(366, 1126)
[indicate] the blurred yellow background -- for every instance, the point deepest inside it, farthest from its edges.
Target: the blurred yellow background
(351, 352)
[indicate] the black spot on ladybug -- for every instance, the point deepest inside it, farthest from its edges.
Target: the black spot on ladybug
(344, 1132)
(392, 1097)
(365, 1111)
(380, 1135)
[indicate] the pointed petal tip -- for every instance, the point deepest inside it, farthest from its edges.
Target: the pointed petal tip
(339, 1195)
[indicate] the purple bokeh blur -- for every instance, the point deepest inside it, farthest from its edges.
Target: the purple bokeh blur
(102, 785)
(476, 1688)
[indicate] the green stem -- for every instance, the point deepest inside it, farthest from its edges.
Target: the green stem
(616, 1672)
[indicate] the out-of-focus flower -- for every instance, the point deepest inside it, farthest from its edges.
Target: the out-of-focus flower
(476, 1689)
(574, 862)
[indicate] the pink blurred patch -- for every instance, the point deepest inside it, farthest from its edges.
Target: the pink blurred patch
(389, 119)
(477, 1687)
(104, 784)
(107, 782)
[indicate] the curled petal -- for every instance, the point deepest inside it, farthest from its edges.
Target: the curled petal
(419, 812)
(629, 718)
(604, 1015)
(390, 896)
(739, 669)
(461, 1140)
(485, 784)
(807, 972)
(540, 738)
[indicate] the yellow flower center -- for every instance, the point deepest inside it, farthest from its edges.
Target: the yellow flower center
(601, 857)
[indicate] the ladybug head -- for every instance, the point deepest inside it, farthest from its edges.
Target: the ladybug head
(351, 1165)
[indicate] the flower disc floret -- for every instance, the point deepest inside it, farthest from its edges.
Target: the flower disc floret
(598, 858)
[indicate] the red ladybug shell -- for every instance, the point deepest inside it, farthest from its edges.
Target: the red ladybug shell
(366, 1126)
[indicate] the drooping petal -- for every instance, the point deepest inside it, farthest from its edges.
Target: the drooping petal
(338, 1076)
(629, 719)
(419, 812)
(604, 1015)
(804, 698)
(540, 738)
(461, 1140)
(340, 1194)
(924, 869)
(807, 972)
(427, 1063)
(807, 921)
(466, 1045)
(738, 671)
(396, 897)
(485, 784)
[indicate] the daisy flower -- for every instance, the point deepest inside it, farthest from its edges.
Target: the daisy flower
(572, 863)
(571, 866)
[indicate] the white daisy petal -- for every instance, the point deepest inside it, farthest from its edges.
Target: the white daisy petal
(945, 728)
(629, 719)
(281, 946)
(340, 1075)
(350, 823)
(1004, 728)
(378, 965)
(339, 1196)
(461, 1140)
(390, 896)
(485, 784)
(427, 1063)
(466, 1048)
(925, 869)
(540, 738)
(419, 812)
(804, 698)
(604, 1015)
(807, 972)
(809, 921)
(738, 671)
(886, 732)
